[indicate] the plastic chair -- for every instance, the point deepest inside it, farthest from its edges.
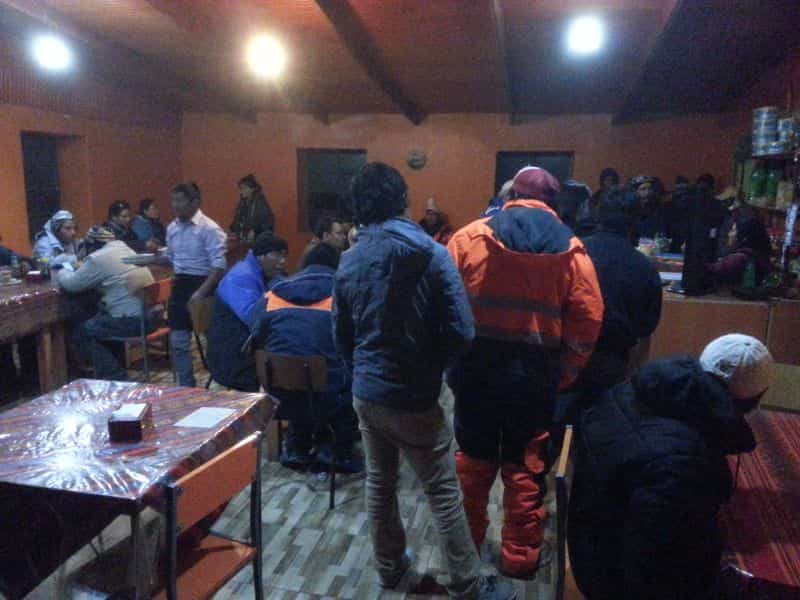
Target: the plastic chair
(307, 374)
(200, 571)
(565, 584)
(154, 301)
(201, 321)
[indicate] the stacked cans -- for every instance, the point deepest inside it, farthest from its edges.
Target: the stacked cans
(765, 130)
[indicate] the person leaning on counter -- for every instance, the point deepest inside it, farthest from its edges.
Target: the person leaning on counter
(253, 214)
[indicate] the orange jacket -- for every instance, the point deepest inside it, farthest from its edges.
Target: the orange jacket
(549, 300)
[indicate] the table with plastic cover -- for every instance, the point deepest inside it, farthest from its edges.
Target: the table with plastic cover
(62, 481)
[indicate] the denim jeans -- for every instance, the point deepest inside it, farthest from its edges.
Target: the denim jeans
(425, 439)
(107, 356)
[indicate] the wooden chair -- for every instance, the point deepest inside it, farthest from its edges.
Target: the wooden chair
(307, 374)
(201, 321)
(202, 570)
(565, 584)
(154, 301)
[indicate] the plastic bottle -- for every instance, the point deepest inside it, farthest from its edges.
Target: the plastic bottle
(758, 180)
(749, 277)
(771, 187)
(15, 270)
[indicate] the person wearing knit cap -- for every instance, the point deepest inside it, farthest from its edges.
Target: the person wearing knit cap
(651, 473)
(119, 310)
(435, 223)
(237, 294)
(57, 240)
(538, 309)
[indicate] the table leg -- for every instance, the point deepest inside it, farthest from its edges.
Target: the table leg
(52, 357)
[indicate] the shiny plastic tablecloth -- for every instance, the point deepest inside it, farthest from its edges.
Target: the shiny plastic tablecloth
(60, 442)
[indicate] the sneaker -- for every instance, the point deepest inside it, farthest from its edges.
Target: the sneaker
(346, 462)
(390, 582)
(494, 589)
(292, 458)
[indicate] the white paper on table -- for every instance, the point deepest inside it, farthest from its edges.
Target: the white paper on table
(206, 417)
(667, 276)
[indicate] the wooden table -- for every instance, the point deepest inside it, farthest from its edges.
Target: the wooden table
(761, 522)
(56, 454)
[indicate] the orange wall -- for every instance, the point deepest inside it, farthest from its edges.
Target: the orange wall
(104, 163)
(217, 150)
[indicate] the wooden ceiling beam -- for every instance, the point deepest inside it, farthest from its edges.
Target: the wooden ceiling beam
(121, 66)
(368, 54)
(507, 76)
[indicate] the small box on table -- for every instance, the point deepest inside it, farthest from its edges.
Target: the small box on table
(129, 422)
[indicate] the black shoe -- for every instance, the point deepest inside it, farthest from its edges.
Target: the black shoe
(390, 581)
(343, 462)
(293, 458)
(495, 589)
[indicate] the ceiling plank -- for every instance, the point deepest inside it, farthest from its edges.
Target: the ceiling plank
(507, 76)
(668, 18)
(123, 67)
(364, 49)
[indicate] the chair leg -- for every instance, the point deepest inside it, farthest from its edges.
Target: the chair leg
(200, 350)
(332, 471)
(145, 352)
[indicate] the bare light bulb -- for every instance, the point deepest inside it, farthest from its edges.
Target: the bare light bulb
(585, 35)
(51, 53)
(266, 56)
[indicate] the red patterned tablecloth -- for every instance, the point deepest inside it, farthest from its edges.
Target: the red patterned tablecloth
(762, 520)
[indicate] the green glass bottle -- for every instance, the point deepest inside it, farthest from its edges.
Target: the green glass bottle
(758, 179)
(749, 277)
(774, 177)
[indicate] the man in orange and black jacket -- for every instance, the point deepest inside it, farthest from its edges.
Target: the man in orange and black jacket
(538, 309)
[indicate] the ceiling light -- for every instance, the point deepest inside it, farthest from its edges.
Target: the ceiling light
(266, 56)
(585, 35)
(51, 53)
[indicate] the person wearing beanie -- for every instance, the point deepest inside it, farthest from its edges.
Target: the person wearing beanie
(253, 214)
(294, 318)
(651, 473)
(120, 307)
(57, 241)
(435, 223)
(237, 295)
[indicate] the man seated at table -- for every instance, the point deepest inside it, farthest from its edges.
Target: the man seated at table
(295, 319)
(26, 346)
(57, 241)
(651, 473)
(328, 231)
(119, 313)
(238, 292)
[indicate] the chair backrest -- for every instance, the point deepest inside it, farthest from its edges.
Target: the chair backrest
(203, 490)
(157, 292)
(564, 468)
(201, 314)
(291, 373)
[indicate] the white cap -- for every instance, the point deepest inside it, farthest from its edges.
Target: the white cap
(742, 362)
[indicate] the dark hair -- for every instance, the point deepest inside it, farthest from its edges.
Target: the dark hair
(569, 200)
(322, 254)
(706, 179)
(145, 205)
(324, 225)
(116, 208)
(615, 209)
(250, 181)
(378, 193)
(751, 233)
(609, 172)
(268, 242)
(188, 189)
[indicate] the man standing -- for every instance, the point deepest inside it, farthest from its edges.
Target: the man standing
(237, 295)
(400, 317)
(651, 473)
(537, 309)
(196, 248)
(120, 309)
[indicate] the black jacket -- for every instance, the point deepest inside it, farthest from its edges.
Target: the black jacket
(650, 477)
(253, 215)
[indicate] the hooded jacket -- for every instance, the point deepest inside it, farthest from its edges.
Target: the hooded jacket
(48, 245)
(400, 315)
(650, 476)
(531, 285)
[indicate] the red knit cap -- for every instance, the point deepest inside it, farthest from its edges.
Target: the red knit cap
(535, 183)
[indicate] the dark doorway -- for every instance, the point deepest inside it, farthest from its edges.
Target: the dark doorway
(323, 181)
(509, 163)
(42, 184)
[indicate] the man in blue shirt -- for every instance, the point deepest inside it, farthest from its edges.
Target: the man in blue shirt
(196, 248)
(238, 293)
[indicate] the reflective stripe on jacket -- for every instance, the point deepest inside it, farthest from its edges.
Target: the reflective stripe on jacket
(547, 299)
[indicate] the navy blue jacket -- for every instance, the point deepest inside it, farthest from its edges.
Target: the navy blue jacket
(295, 319)
(650, 477)
(401, 315)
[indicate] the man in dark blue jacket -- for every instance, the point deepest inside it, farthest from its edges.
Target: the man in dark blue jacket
(651, 473)
(400, 317)
(294, 318)
(237, 295)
